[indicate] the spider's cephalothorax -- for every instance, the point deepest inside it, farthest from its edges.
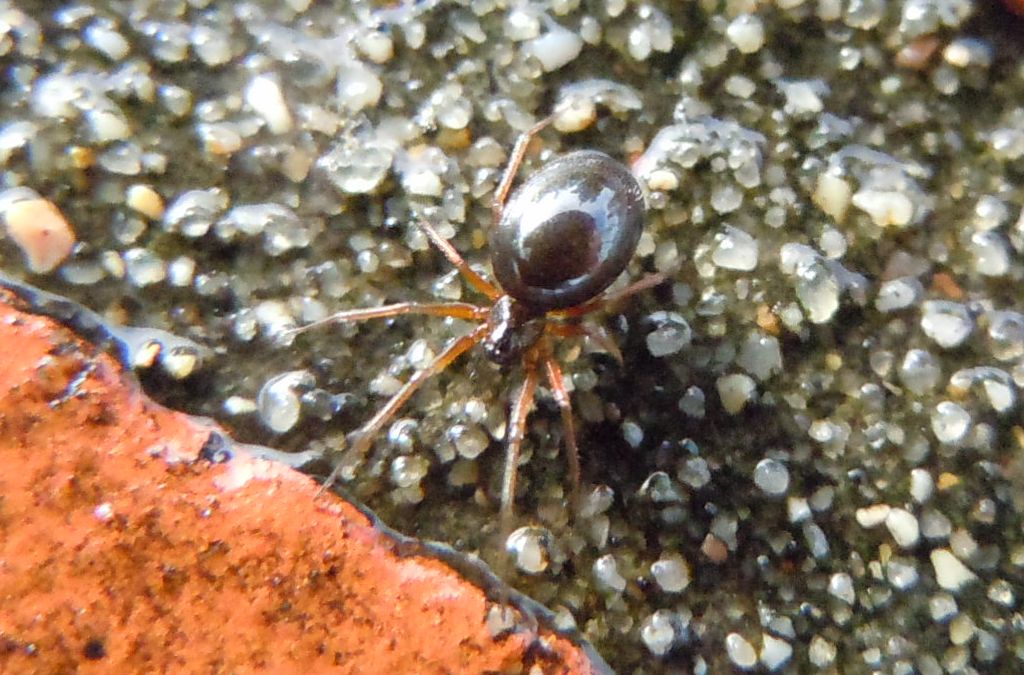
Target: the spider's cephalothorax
(512, 328)
(557, 244)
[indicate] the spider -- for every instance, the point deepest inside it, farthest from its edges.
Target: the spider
(562, 238)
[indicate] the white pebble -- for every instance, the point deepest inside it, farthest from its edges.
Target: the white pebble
(919, 371)
(521, 24)
(833, 243)
(735, 250)
(1007, 143)
(963, 545)
(632, 433)
(885, 207)
(695, 472)
(278, 403)
(463, 473)
(999, 388)
(961, 629)
(990, 213)
(239, 405)
(144, 267)
(726, 198)
(840, 586)
(947, 323)
(357, 169)
(898, 294)
(991, 254)
(358, 88)
(423, 182)
(597, 501)
(108, 41)
(832, 195)
(950, 422)
(798, 509)
(658, 633)
(529, 547)
(771, 476)
(211, 45)
(555, 48)
(671, 574)
(741, 653)
(108, 124)
(775, 652)
(747, 33)
(179, 364)
(218, 138)
(606, 572)
(903, 527)
(950, 573)
(902, 576)
(922, 485)
(818, 291)
(264, 96)
(57, 95)
(692, 402)
(469, 440)
(816, 540)
(671, 335)
(662, 180)
(872, 516)
(739, 86)
(1002, 592)
(408, 470)
(822, 653)
(803, 97)
(935, 526)
(501, 619)
(735, 391)
(639, 43)
(376, 45)
(760, 355)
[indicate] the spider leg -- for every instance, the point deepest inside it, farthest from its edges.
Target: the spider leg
(649, 281)
(458, 310)
(515, 159)
(595, 333)
(557, 384)
(366, 434)
(514, 439)
(455, 258)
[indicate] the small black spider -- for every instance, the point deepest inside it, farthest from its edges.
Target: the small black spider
(563, 237)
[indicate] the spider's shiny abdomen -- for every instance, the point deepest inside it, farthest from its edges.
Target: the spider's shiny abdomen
(568, 231)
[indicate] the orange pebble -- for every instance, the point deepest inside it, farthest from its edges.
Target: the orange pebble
(946, 285)
(918, 53)
(41, 232)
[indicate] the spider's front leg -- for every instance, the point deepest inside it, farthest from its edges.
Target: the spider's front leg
(366, 434)
(456, 310)
(455, 258)
(515, 159)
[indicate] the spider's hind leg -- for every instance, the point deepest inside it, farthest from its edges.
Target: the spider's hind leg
(572, 452)
(514, 439)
